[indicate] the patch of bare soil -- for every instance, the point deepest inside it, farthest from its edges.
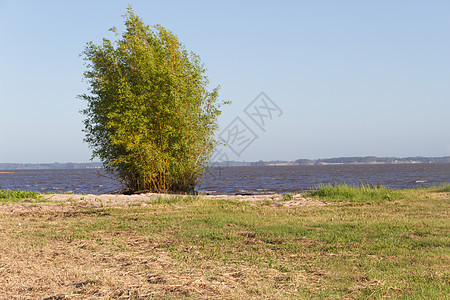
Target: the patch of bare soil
(75, 202)
(439, 195)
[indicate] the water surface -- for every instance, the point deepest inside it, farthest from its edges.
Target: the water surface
(232, 180)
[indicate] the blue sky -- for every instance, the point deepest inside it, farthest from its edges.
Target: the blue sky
(352, 78)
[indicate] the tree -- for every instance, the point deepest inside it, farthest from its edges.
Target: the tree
(149, 118)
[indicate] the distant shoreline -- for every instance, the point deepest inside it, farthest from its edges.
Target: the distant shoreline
(359, 160)
(356, 163)
(49, 166)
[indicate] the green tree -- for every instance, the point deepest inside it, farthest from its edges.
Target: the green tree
(149, 118)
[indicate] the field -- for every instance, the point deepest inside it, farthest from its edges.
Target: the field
(333, 243)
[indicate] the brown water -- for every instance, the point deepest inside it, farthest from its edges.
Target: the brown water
(231, 180)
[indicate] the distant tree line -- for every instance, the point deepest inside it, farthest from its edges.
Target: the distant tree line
(337, 160)
(49, 166)
(340, 160)
(373, 159)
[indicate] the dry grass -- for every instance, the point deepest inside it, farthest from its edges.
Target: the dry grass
(208, 248)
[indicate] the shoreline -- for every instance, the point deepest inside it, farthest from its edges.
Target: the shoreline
(299, 162)
(67, 203)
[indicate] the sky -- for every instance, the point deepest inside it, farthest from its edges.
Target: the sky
(307, 79)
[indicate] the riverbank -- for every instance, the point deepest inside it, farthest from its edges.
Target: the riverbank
(47, 203)
(153, 246)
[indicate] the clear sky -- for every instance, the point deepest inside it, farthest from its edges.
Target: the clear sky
(352, 78)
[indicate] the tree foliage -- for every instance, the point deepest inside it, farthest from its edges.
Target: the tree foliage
(149, 118)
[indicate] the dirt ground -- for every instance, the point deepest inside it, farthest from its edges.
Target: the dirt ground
(74, 202)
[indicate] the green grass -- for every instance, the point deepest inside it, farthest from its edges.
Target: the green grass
(288, 196)
(17, 195)
(357, 194)
(445, 188)
(198, 248)
(370, 194)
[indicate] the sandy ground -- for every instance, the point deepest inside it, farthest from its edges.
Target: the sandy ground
(73, 202)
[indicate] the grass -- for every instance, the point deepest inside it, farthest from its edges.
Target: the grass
(364, 247)
(17, 195)
(369, 194)
(288, 196)
(445, 188)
